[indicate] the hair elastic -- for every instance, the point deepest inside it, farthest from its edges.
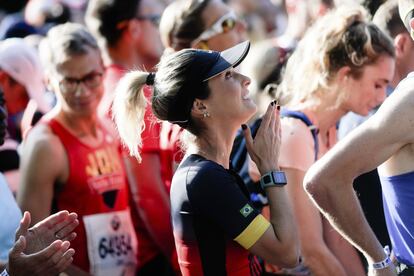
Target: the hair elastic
(150, 79)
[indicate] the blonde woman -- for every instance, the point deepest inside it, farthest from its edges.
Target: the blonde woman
(344, 63)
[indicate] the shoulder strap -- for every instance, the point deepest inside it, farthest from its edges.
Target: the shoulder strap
(302, 116)
(239, 151)
(255, 126)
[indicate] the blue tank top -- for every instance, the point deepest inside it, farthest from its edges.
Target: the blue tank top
(398, 195)
(10, 216)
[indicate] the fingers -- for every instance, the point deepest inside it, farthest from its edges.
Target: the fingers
(58, 226)
(266, 118)
(52, 220)
(272, 116)
(276, 124)
(18, 247)
(54, 260)
(24, 225)
(70, 237)
(65, 260)
(64, 229)
(49, 251)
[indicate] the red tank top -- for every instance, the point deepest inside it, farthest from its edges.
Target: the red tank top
(96, 183)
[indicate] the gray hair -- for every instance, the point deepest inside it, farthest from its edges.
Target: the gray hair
(63, 41)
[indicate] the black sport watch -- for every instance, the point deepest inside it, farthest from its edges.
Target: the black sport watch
(273, 179)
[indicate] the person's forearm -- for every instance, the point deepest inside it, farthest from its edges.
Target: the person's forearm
(320, 261)
(344, 252)
(341, 207)
(282, 219)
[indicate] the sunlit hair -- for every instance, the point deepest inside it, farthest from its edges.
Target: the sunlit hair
(343, 37)
(388, 19)
(63, 41)
(182, 22)
(172, 99)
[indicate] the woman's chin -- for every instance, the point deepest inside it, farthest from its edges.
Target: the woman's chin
(250, 104)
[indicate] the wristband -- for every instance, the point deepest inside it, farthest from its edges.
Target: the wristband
(4, 273)
(384, 263)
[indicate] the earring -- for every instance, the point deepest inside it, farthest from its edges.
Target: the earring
(204, 46)
(206, 114)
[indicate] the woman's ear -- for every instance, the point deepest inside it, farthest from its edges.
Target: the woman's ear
(134, 29)
(199, 109)
(343, 74)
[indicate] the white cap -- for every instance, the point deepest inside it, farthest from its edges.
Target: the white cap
(21, 61)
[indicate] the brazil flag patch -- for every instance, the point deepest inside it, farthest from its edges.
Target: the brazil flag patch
(246, 210)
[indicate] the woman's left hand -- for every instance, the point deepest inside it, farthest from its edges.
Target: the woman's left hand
(264, 149)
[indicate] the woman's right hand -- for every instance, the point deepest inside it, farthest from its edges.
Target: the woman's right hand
(264, 149)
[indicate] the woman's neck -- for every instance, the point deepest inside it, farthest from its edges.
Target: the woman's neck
(327, 113)
(215, 145)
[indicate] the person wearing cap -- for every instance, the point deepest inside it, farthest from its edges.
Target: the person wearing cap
(216, 229)
(72, 161)
(207, 25)
(384, 141)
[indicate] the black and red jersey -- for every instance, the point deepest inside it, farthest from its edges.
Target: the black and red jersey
(213, 219)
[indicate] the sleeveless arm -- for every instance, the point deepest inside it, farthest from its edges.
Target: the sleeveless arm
(329, 181)
(43, 163)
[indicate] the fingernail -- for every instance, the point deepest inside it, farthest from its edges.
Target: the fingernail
(278, 107)
(244, 127)
(272, 103)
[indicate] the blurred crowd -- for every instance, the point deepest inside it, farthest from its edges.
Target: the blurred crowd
(62, 63)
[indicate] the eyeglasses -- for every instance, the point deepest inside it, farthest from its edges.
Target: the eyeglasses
(153, 18)
(91, 80)
(224, 24)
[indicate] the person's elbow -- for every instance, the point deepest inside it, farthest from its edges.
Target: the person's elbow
(314, 184)
(287, 256)
(291, 258)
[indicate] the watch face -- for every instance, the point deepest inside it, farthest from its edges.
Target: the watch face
(279, 177)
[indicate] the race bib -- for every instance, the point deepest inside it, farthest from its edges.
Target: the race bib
(112, 244)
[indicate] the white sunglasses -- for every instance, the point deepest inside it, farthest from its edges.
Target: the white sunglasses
(224, 24)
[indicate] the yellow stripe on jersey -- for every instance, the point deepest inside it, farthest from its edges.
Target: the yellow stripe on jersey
(253, 232)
